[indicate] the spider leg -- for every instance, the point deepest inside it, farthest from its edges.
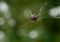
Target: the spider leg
(41, 9)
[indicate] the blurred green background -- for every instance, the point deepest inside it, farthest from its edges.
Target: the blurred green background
(50, 27)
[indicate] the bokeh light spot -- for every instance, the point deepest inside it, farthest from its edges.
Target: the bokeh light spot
(2, 21)
(3, 7)
(11, 22)
(55, 11)
(33, 34)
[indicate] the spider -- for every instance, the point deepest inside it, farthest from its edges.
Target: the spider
(34, 17)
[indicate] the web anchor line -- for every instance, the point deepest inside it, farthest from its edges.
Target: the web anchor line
(50, 17)
(24, 24)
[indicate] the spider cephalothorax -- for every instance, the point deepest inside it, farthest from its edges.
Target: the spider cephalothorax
(33, 17)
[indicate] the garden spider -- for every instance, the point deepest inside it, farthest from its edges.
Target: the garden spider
(34, 17)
